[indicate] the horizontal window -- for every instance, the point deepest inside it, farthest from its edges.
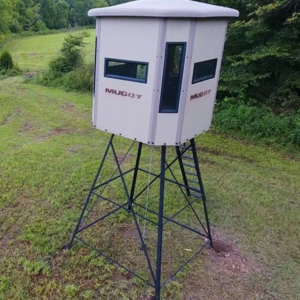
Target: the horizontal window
(126, 70)
(204, 70)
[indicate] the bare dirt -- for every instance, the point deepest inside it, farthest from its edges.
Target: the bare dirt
(224, 154)
(54, 132)
(122, 158)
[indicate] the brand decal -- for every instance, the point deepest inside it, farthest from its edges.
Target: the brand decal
(122, 93)
(199, 95)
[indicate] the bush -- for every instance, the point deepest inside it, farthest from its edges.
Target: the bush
(80, 79)
(6, 61)
(71, 56)
(257, 123)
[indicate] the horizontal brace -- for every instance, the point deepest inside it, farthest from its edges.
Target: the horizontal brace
(189, 165)
(193, 174)
(102, 218)
(193, 181)
(185, 148)
(145, 218)
(182, 209)
(171, 220)
(173, 181)
(108, 200)
(187, 157)
(157, 176)
(115, 262)
(197, 196)
(186, 263)
(112, 179)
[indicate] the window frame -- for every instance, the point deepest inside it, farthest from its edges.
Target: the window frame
(127, 78)
(204, 78)
(181, 71)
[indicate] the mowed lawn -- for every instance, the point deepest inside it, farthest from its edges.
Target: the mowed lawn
(34, 53)
(49, 154)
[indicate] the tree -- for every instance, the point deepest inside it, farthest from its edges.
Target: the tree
(28, 14)
(262, 55)
(6, 15)
(48, 13)
(81, 8)
(62, 14)
(71, 54)
(6, 61)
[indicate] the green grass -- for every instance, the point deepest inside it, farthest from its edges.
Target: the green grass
(34, 53)
(49, 154)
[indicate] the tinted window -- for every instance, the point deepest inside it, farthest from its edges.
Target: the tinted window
(126, 70)
(172, 77)
(204, 70)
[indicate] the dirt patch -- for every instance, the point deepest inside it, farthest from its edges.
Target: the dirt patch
(207, 161)
(5, 120)
(223, 270)
(67, 106)
(122, 158)
(225, 154)
(54, 132)
(27, 127)
(226, 257)
(73, 149)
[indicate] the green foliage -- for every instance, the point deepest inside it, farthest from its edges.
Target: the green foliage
(80, 79)
(6, 16)
(71, 290)
(36, 15)
(40, 26)
(6, 61)
(258, 123)
(81, 8)
(48, 13)
(3, 283)
(261, 62)
(71, 56)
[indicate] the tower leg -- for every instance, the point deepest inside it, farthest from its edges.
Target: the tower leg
(137, 164)
(194, 150)
(90, 193)
(182, 171)
(160, 224)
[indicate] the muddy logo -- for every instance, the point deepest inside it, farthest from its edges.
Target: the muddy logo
(199, 95)
(122, 93)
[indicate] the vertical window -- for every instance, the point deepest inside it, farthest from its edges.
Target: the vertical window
(172, 77)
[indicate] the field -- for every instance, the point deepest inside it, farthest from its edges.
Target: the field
(49, 154)
(34, 53)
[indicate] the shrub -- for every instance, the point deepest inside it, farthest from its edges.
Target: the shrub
(71, 56)
(80, 79)
(257, 123)
(6, 61)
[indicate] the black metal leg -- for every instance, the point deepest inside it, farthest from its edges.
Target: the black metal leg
(136, 169)
(160, 224)
(90, 193)
(130, 203)
(182, 171)
(133, 214)
(194, 150)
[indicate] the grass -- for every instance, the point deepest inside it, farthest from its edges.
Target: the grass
(49, 154)
(34, 53)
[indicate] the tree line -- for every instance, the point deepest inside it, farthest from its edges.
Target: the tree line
(38, 15)
(261, 64)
